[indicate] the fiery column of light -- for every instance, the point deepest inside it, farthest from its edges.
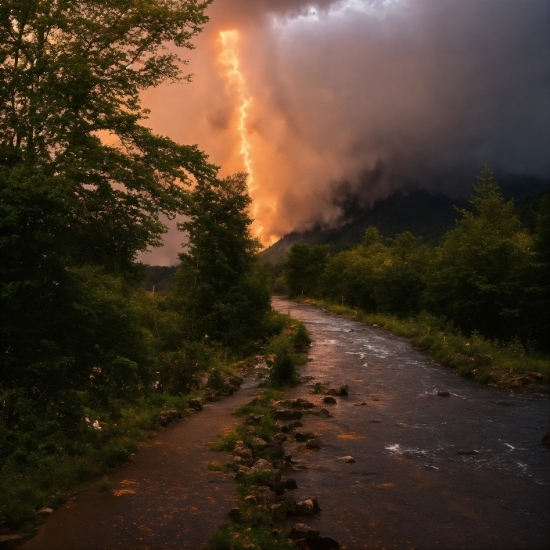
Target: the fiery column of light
(230, 59)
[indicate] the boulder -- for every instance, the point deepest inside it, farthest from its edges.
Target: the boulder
(194, 404)
(325, 543)
(443, 393)
(259, 443)
(278, 464)
(250, 499)
(242, 451)
(302, 531)
(235, 514)
(348, 459)
(313, 443)
(329, 400)
(303, 436)
(240, 461)
(287, 414)
(340, 390)
(286, 427)
(325, 413)
(262, 465)
(300, 404)
(307, 507)
(546, 439)
(164, 420)
(253, 419)
(279, 511)
(290, 484)
(282, 437)
(173, 414)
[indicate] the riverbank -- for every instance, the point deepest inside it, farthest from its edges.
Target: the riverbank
(509, 367)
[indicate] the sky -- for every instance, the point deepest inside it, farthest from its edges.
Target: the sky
(329, 100)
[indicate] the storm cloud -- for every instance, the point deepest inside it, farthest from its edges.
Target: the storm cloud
(365, 97)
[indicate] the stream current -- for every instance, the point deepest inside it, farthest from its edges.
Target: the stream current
(472, 444)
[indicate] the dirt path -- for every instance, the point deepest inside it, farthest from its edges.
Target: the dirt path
(168, 498)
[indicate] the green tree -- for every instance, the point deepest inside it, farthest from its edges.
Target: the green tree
(221, 290)
(303, 268)
(482, 272)
(82, 186)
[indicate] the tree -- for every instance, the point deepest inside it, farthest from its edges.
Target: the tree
(304, 267)
(219, 287)
(481, 274)
(82, 185)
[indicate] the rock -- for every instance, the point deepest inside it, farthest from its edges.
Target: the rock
(287, 414)
(278, 487)
(303, 531)
(290, 484)
(253, 419)
(546, 439)
(242, 451)
(164, 420)
(195, 404)
(329, 400)
(307, 507)
(325, 543)
(313, 443)
(262, 465)
(250, 499)
(240, 461)
(443, 393)
(286, 427)
(278, 464)
(348, 459)
(279, 511)
(360, 404)
(45, 511)
(300, 404)
(272, 450)
(288, 457)
(7, 540)
(340, 390)
(325, 413)
(280, 437)
(235, 514)
(259, 443)
(173, 414)
(303, 436)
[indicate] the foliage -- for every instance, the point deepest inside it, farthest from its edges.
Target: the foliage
(219, 288)
(303, 268)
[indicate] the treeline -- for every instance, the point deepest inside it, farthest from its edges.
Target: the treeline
(489, 275)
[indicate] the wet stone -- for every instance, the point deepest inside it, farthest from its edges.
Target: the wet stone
(303, 531)
(443, 393)
(325, 413)
(194, 404)
(282, 437)
(287, 414)
(307, 507)
(279, 511)
(329, 400)
(313, 443)
(303, 436)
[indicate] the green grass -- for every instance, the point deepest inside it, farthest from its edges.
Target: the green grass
(473, 357)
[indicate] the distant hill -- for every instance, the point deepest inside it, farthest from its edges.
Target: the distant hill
(425, 214)
(160, 277)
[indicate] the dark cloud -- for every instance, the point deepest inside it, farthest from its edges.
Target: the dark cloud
(357, 99)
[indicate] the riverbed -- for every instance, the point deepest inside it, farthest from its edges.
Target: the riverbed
(465, 470)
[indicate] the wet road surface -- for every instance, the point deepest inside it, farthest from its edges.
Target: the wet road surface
(167, 497)
(464, 471)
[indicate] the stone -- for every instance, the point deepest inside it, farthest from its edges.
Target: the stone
(348, 459)
(300, 403)
(262, 465)
(282, 437)
(313, 443)
(443, 393)
(173, 414)
(253, 419)
(250, 499)
(164, 420)
(359, 404)
(326, 543)
(288, 457)
(303, 436)
(240, 461)
(303, 531)
(259, 443)
(307, 507)
(279, 511)
(329, 400)
(340, 390)
(195, 404)
(278, 464)
(325, 413)
(45, 511)
(290, 484)
(242, 451)
(235, 514)
(287, 414)
(546, 439)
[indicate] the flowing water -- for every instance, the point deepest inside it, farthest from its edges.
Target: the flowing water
(463, 471)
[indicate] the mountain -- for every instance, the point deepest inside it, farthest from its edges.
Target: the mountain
(424, 213)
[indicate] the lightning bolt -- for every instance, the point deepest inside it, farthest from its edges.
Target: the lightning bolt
(230, 59)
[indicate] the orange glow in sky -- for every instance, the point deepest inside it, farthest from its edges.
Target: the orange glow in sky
(230, 60)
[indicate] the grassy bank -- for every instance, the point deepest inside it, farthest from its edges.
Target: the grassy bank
(509, 367)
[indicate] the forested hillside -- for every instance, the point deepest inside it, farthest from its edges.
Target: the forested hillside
(488, 276)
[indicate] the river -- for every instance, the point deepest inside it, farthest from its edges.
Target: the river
(463, 471)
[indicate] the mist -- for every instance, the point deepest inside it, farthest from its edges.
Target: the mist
(361, 98)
